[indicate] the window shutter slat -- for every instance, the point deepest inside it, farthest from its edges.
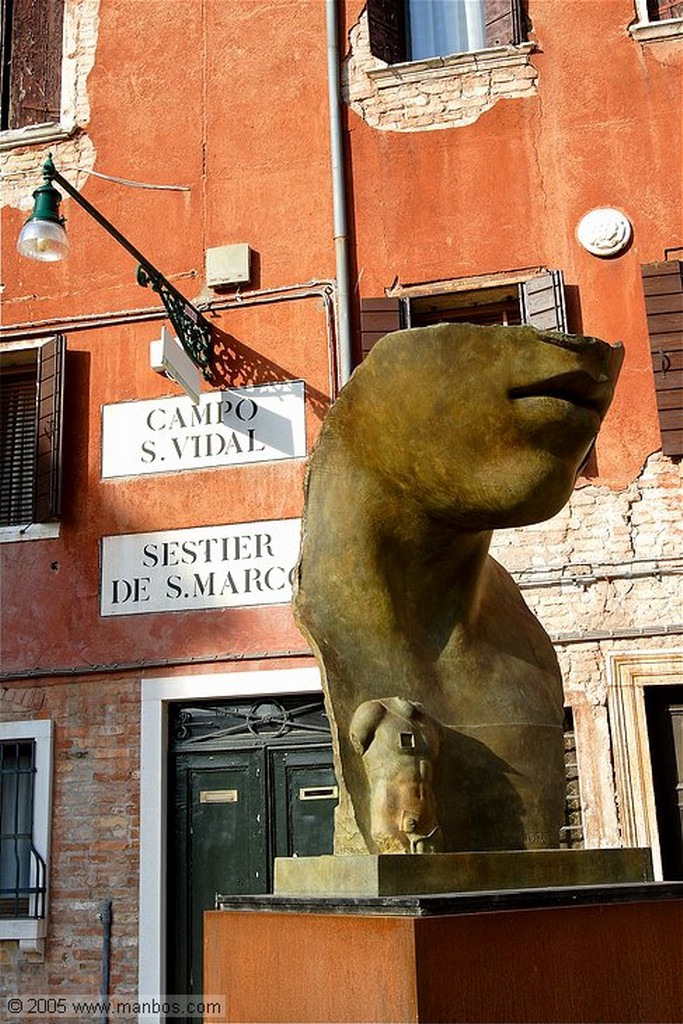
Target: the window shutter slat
(663, 290)
(543, 301)
(387, 30)
(36, 62)
(50, 393)
(377, 318)
(503, 22)
(17, 447)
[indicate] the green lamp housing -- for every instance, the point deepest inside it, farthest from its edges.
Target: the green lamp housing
(43, 236)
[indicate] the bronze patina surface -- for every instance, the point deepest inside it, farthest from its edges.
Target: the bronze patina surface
(384, 875)
(441, 436)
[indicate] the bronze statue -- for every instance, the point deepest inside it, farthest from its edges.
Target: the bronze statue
(399, 745)
(442, 435)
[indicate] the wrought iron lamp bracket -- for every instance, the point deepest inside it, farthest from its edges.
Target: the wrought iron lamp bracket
(193, 330)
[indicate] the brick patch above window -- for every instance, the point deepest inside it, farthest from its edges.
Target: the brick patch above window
(439, 92)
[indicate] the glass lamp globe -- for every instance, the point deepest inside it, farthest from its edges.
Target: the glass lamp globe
(44, 240)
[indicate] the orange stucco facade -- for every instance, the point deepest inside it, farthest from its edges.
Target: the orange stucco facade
(229, 100)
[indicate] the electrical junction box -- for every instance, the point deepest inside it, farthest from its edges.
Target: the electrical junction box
(228, 265)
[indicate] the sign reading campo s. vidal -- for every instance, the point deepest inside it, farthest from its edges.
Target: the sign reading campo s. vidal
(240, 565)
(225, 428)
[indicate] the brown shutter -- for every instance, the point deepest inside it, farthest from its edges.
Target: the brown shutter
(387, 29)
(49, 397)
(377, 318)
(663, 288)
(35, 75)
(503, 22)
(543, 302)
(17, 445)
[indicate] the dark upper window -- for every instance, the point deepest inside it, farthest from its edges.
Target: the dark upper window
(31, 387)
(415, 29)
(539, 300)
(31, 62)
(664, 10)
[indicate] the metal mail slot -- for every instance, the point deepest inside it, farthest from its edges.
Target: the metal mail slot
(318, 793)
(218, 796)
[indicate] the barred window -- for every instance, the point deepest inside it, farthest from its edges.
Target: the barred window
(25, 817)
(22, 869)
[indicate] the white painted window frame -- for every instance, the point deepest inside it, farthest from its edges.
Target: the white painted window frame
(646, 31)
(156, 696)
(31, 932)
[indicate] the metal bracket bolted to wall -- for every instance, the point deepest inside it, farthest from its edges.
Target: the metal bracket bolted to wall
(193, 329)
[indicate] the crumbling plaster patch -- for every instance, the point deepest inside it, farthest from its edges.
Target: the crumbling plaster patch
(22, 150)
(441, 92)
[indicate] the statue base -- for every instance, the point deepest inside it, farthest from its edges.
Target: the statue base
(591, 953)
(402, 874)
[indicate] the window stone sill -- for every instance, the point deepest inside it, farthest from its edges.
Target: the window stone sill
(28, 932)
(32, 531)
(655, 31)
(34, 135)
(434, 68)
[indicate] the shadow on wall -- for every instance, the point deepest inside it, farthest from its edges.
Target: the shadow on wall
(236, 365)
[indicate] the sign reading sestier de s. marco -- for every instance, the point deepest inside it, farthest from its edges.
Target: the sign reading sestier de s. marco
(225, 428)
(240, 565)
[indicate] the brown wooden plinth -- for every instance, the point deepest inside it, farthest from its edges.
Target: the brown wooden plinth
(558, 961)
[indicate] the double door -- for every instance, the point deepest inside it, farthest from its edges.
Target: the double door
(239, 797)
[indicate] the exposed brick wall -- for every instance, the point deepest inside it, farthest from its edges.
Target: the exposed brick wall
(95, 826)
(442, 92)
(608, 561)
(604, 577)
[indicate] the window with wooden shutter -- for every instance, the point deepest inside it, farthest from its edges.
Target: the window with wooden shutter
(402, 30)
(539, 301)
(543, 302)
(50, 405)
(663, 289)
(504, 22)
(31, 403)
(31, 62)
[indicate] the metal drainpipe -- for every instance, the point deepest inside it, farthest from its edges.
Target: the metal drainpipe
(105, 917)
(344, 353)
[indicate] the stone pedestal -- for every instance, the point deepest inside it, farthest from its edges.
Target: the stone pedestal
(396, 875)
(595, 953)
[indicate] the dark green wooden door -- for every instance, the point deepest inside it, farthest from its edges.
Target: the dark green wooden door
(247, 782)
(304, 792)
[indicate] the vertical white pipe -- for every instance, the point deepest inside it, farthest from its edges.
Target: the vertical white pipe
(344, 349)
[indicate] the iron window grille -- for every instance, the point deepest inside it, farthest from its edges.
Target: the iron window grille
(22, 869)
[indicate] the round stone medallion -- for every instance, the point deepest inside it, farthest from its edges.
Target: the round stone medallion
(604, 231)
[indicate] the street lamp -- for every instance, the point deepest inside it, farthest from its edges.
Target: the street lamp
(43, 238)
